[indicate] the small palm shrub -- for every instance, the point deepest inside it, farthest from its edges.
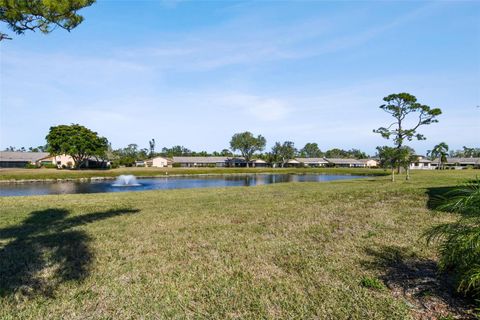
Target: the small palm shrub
(459, 242)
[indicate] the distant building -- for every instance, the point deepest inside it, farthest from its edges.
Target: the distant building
(293, 163)
(459, 163)
(66, 161)
(370, 163)
(258, 163)
(16, 159)
(61, 161)
(313, 162)
(421, 163)
(201, 161)
(348, 163)
(158, 162)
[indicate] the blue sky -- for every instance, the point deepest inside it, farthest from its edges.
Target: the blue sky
(194, 72)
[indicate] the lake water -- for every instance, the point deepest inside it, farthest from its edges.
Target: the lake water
(39, 188)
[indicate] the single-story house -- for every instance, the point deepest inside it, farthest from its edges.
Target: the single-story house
(158, 162)
(421, 163)
(66, 161)
(258, 163)
(459, 163)
(341, 162)
(201, 161)
(313, 162)
(293, 163)
(62, 161)
(370, 163)
(17, 159)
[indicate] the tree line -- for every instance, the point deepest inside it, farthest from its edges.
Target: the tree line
(82, 143)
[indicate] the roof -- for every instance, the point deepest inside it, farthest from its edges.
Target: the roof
(16, 156)
(258, 161)
(158, 157)
(466, 161)
(200, 159)
(344, 161)
(293, 161)
(366, 160)
(423, 161)
(312, 160)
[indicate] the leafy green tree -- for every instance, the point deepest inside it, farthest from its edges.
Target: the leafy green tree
(76, 141)
(176, 151)
(440, 151)
(226, 153)
(467, 152)
(247, 144)
(38, 149)
(357, 154)
(43, 15)
(403, 107)
(311, 150)
(284, 151)
(391, 158)
(336, 153)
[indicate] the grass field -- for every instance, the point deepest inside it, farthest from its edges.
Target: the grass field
(32, 174)
(293, 250)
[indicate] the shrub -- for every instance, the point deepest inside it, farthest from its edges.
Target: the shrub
(176, 165)
(372, 283)
(31, 166)
(459, 242)
(49, 166)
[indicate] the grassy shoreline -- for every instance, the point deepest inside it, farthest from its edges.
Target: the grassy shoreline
(293, 250)
(52, 175)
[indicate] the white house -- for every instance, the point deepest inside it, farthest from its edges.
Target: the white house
(370, 163)
(421, 163)
(158, 162)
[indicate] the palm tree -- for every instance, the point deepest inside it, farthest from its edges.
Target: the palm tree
(440, 151)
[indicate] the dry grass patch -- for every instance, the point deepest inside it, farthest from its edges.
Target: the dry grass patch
(295, 250)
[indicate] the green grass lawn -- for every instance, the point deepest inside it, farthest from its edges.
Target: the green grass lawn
(292, 250)
(27, 174)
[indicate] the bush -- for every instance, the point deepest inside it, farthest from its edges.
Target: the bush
(372, 283)
(460, 241)
(31, 166)
(176, 165)
(49, 166)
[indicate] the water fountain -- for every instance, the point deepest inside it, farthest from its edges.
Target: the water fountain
(126, 180)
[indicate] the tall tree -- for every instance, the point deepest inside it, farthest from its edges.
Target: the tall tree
(76, 141)
(404, 107)
(43, 15)
(247, 144)
(311, 150)
(440, 151)
(284, 151)
(336, 153)
(151, 143)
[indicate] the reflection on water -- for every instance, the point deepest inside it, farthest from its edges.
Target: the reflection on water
(163, 183)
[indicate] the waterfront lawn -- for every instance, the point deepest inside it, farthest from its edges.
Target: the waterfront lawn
(293, 250)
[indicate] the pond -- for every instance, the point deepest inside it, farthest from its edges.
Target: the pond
(184, 182)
